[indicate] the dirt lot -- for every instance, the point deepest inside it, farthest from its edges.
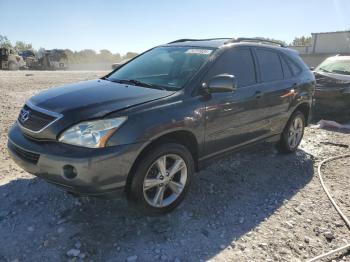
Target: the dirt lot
(256, 205)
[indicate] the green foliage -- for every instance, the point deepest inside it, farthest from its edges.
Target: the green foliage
(74, 57)
(130, 55)
(22, 46)
(272, 39)
(4, 42)
(302, 41)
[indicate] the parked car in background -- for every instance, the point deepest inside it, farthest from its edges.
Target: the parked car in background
(146, 127)
(332, 95)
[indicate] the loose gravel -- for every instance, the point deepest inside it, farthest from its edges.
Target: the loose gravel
(254, 205)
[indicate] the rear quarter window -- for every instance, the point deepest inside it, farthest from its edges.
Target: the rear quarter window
(286, 69)
(270, 65)
(296, 69)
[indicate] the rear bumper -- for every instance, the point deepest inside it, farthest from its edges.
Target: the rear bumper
(99, 172)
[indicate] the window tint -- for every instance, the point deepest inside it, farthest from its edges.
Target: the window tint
(296, 70)
(169, 67)
(286, 70)
(237, 62)
(270, 65)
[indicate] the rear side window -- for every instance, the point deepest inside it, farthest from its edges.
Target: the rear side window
(270, 65)
(286, 70)
(238, 62)
(296, 70)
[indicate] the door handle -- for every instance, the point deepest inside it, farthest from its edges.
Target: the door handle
(258, 94)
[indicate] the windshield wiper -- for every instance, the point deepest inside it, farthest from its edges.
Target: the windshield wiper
(136, 83)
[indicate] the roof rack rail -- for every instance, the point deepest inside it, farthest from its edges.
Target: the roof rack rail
(186, 40)
(182, 40)
(255, 39)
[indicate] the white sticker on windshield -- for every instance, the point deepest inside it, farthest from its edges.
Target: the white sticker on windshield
(199, 51)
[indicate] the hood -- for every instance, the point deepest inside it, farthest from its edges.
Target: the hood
(95, 98)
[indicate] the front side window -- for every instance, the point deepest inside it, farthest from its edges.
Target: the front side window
(237, 62)
(270, 65)
(335, 66)
(166, 67)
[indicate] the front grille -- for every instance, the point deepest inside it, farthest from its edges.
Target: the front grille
(26, 155)
(33, 119)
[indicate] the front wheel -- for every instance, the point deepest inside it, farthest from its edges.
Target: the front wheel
(161, 179)
(293, 133)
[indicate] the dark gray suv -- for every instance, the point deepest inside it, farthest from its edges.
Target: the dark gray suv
(146, 127)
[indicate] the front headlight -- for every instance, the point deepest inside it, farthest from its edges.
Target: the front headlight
(91, 134)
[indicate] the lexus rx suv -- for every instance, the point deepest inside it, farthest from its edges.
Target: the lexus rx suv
(145, 128)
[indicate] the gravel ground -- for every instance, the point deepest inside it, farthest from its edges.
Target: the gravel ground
(255, 205)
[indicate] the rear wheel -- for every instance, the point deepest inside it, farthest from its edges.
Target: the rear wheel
(161, 179)
(293, 133)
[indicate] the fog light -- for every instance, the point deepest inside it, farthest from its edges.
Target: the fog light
(69, 172)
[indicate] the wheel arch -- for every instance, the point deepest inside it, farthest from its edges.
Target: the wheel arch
(304, 108)
(183, 137)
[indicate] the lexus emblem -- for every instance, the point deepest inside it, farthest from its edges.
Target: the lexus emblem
(24, 115)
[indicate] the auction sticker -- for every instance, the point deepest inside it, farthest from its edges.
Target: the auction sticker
(199, 51)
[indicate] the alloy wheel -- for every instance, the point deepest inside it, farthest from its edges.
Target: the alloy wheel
(295, 133)
(165, 180)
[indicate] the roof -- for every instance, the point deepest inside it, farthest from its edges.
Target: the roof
(214, 43)
(339, 57)
(221, 42)
(334, 32)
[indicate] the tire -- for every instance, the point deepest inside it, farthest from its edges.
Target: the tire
(13, 66)
(286, 144)
(143, 195)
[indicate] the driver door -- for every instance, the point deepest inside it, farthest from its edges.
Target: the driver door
(234, 118)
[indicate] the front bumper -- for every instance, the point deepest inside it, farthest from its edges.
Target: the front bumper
(99, 172)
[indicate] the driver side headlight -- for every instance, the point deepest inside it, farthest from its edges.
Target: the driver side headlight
(92, 134)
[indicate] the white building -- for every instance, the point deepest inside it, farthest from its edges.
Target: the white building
(331, 42)
(327, 43)
(324, 45)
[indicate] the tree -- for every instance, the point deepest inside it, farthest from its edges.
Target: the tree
(4, 42)
(302, 41)
(130, 55)
(22, 46)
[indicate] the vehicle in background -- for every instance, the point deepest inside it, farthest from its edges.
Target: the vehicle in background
(10, 60)
(332, 94)
(119, 64)
(146, 127)
(55, 59)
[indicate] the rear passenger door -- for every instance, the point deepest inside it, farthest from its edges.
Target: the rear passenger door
(276, 85)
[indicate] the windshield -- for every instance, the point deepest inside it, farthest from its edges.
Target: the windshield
(335, 66)
(166, 67)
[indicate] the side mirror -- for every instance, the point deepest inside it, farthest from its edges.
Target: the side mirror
(312, 68)
(222, 83)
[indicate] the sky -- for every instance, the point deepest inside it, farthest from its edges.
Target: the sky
(136, 26)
